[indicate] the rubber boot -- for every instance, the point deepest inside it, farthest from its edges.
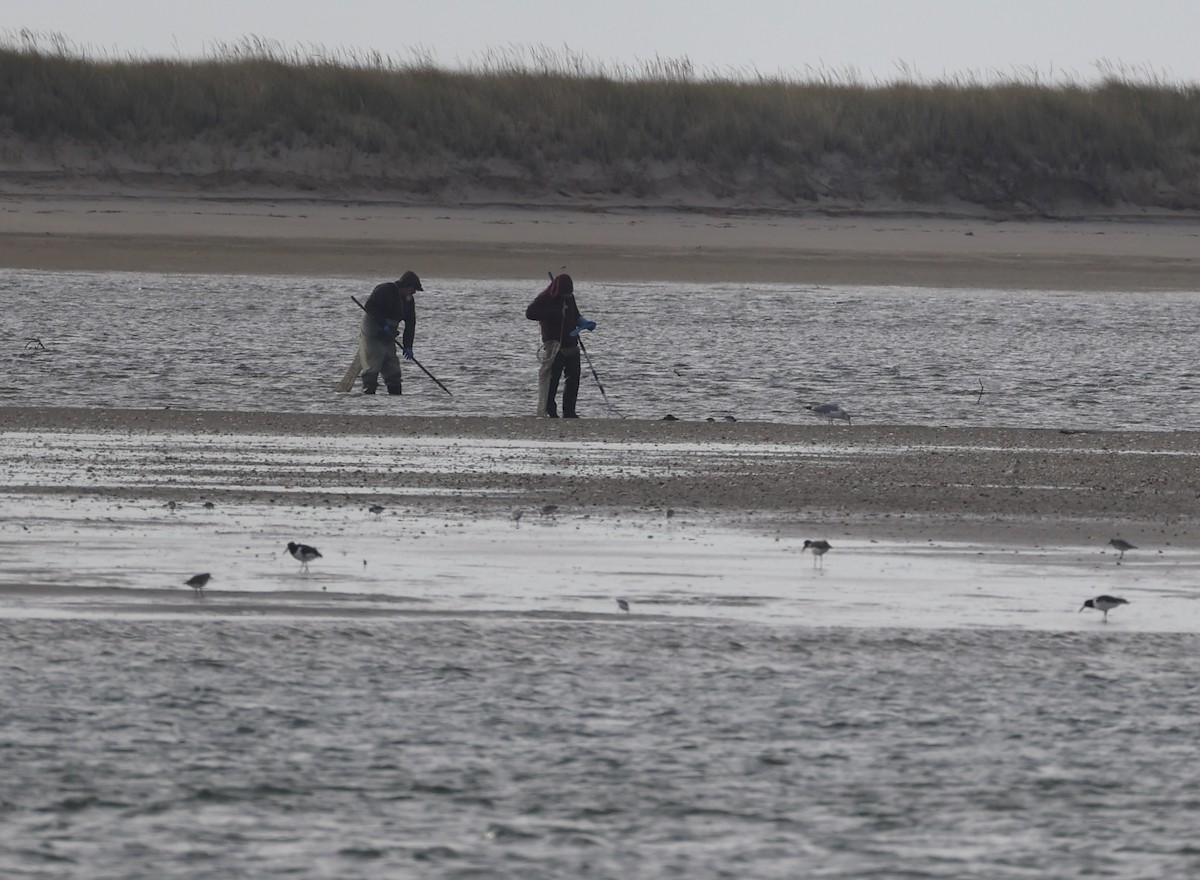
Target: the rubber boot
(370, 382)
(571, 371)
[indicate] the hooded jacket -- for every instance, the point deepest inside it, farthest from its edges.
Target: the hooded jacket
(386, 306)
(556, 311)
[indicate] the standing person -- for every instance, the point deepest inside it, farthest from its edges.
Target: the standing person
(388, 305)
(554, 308)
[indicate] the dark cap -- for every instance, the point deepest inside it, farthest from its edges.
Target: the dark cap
(410, 279)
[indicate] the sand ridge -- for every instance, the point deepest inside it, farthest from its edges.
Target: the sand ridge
(303, 236)
(991, 485)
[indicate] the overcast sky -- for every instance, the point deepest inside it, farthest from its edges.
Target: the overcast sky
(871, 39)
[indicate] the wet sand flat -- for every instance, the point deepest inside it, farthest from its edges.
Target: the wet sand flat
(108, 513)
(991, 490)
(297, 236)
(991, 485)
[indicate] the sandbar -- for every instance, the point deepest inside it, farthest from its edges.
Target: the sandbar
(297, 235)
(1024, 487)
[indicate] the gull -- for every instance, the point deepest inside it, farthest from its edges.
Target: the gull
(819, 548)
(303, 554)
(1118, 544)
(198, 582)
(829, 412)
(1105, 604)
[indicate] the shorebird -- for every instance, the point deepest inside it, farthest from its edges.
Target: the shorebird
(623, 605)
(1122, 546)
(375, 509)
(198, 582)
(819, 548)
(1105, 604)
(829, 412)
(303, 554)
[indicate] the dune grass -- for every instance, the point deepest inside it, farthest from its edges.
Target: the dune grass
(552, 125)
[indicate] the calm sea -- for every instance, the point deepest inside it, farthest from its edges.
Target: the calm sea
(887, 355)
(514, 745)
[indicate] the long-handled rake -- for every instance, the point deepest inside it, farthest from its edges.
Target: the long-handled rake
(356, 367)
(596, 376)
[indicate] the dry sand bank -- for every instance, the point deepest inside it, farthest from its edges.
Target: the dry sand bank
(297, 236)
(989, 485)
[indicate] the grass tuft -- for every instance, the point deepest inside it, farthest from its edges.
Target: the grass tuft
(536, 121)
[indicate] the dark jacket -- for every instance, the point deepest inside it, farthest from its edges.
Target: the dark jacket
(555, 308)
(386, 306)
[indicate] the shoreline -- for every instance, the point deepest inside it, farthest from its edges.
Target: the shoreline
(1028, 487)
(263, 235)
(999, 487)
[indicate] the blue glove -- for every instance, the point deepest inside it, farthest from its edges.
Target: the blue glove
(387, 329)
(582, 324)
(408, 355)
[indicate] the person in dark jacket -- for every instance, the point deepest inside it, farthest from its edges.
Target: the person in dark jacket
(388, 305)
(556, 311)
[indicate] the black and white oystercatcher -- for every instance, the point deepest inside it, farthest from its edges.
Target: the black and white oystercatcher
(303, 554)
(1105, 604)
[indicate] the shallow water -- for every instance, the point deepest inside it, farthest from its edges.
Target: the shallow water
(123, 529)
(456, 694)
(502, 748)
(887, 355)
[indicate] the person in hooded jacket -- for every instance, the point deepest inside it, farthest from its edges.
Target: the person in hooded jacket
(388, 305)
(555, 310)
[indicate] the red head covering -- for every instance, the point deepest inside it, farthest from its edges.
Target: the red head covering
(555, 309)
(561, 285)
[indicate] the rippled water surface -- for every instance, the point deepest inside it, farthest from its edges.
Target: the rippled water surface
(517, 749)
(887, 355)
(474, 705)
